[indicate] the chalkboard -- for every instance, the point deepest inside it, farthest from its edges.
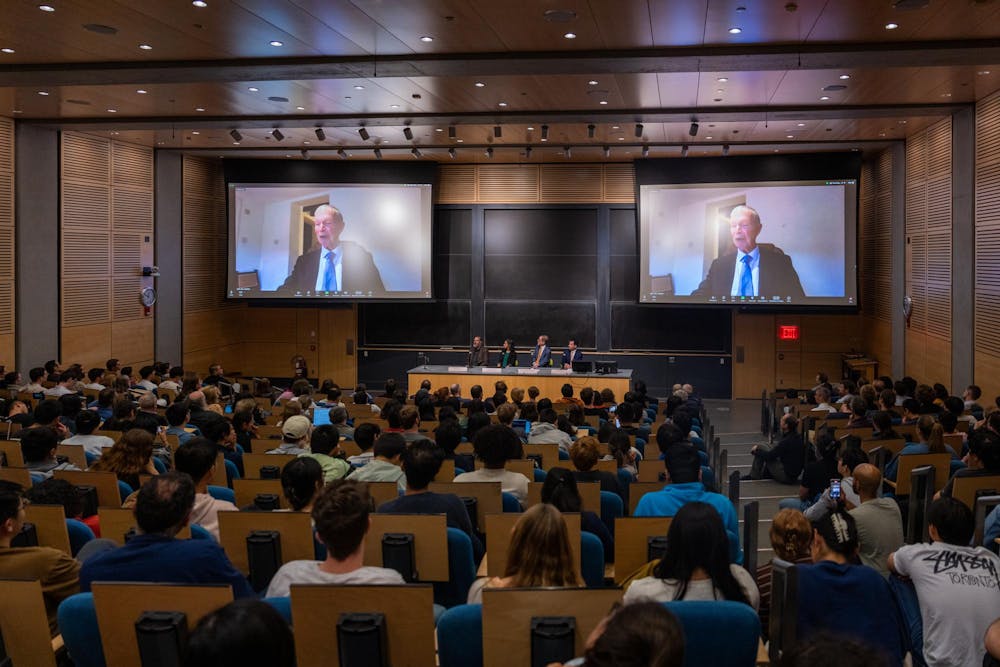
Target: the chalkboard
(452, 269)
(675, 329)
(410, 324)
(525, 321)
(624, 262)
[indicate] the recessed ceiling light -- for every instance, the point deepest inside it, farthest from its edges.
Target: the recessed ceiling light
(199, 108)
(603, 102)
(902, 122)
(824, 98)
(531, 128)
(438, 129)
(501, 104)
(461, 141)
(47, 8)
(160, 143)
(141, 91)
(480, 84)
(306, 143)
(426, 38)
(16, 111)
(881, 134)
(145, 47)
(43, 93)
(789, 136)
(945, 94)
(545, 138)
(616, 127)
(195, 132)
(719, 90)
(200, 3)
(300, 108)
(845, 77)
(7, 50)
(570, 35)
(722, 79)
(393, 106)
(621, 138)
(592, 82)
(253, 89)
(891, 26)
(735, 30)
(708, 137)
(112, 110)
(982, 72)
(275, 42)
(801, 124)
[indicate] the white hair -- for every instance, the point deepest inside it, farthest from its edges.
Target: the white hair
(743, 208)
(326, 209)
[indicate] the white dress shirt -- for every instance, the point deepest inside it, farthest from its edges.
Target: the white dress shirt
(337, 259)
(754, 271)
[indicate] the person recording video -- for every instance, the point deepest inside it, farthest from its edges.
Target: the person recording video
(753, 270)
(335, 266)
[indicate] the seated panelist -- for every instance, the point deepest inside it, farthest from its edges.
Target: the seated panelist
(334, 266)
(478, 355)
(753, 270)
(571, 354)
(508, 355)
(541, 353)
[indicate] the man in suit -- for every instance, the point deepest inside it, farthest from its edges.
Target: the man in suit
(541, 353)
(478, 356)
(335, 266)
(754, 270)
(571, 354)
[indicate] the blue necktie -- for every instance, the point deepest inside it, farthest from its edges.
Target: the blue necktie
(746, 279)
(330, 277)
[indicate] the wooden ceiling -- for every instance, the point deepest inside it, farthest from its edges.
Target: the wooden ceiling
(344, 64)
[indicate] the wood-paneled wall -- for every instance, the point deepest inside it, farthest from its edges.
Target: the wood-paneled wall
(987, 279)
(536, 183)
(7, 258)
(928, 253)
(106, 237)
(875, 260)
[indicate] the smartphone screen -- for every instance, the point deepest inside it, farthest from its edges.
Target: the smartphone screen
(835, 489)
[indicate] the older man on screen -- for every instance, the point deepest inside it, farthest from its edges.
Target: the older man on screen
(753, 270)
(335, 266)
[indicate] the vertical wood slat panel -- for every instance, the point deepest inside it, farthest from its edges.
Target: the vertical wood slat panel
(527, 183)
(987, 219)
(876, 236)
(7, 234)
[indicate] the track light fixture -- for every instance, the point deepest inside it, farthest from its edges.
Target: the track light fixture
(645, 151)
(416, 153)
(363, 133)
(545, 132)
(590, 131)
(693, 130)
(276, 133)
(408, 133)
(684, 150)
(305, 153)
(378, 153)
(725, 149)
(342, 154)
(527, 153)
(638, 129)
(607, 152)
(489, 153)
(235, 134)
(320, 134)
(451, 132)
(497, 131)
(567, 152)
(452, 153)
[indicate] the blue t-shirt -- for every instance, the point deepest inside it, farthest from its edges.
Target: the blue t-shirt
(167, 560)
(673, 496)
(849, 600)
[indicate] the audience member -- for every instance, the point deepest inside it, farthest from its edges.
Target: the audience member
(163, 507)
(57, 573)
(791, 540)
(696, 563)
(644, 634)
(421, 462)
(849, 456)
(295, 433)
(585, 453)
(324, 448)
(244, 633)
(341, 514)
(878, 520)
(129, 457)
(783, 462)
(494, 444)
(86, 423)
(545, 431)
(849, 600)
(931, 441)
(38, 448)
(983, 459)
(197, 458)
(831, 650)
(364, 437)
(560, 489)
(956, 585)
(384, 467)
(301, 482)
(816, 476)
(178, 415)
(539, 555)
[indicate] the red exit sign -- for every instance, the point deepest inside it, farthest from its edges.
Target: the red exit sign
(788, 332)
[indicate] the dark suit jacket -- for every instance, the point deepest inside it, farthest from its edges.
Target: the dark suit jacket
(777, 276)
(546, 353)
(478, 357)
(576, 357)
(358, 271)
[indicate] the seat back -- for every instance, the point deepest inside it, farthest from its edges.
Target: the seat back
(652, 470)
(591, 560)
(637, 490)
(382, 492)
(245, 490)
(965, 489)
(295, 529)
(24, 625)
(78, 626)
(75, 453)
(632, 542)
(252, 463)
(461, 571)
(17, 475)
(894, 446)
(408, 612)
(50, 525)
(701, 621)
(508, 614)
(460, 636)
(751, 536)
(590, 495)
(922, 482)
(498, 532)
(984, 506)
(784, 608)
(940, 462)
(119, 605)
(612, 509)
(222, 493)
(11, 450)
(79, 534)
(548, 452)
(430, 542)
(108, 494)
(117, 522)
(488, 496)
